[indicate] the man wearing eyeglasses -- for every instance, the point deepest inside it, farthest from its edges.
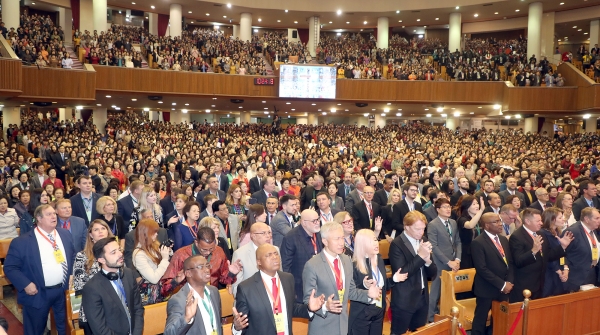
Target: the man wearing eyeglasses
(445, 240)
(299, 245)
(260, 234)
(223, 273)
(196, 308)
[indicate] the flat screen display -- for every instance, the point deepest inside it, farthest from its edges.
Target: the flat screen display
(305, 81)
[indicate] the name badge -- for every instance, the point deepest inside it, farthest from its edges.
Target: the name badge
(562, 261)
(341, 295)
(214, 332)
(229, 242)
(371, 223)
(594, 254)
(279, 322)
(58, 256)
(379, 303)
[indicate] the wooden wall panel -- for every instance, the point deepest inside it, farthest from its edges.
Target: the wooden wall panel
(58, 84)
(160, 82)
(554, 99)
(11, 80)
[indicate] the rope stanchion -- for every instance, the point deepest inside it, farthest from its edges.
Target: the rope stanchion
(462, 329)
(517, 319)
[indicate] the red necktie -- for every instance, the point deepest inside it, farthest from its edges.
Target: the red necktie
(314, 243)
(67, 225)
(338, 275)
(276, 304)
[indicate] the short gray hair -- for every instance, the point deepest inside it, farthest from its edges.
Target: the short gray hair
(329, 227)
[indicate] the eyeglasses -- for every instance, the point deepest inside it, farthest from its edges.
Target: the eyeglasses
(204, 266)
(207, 251)
(313, 221)
(348, 222)
(268, 233)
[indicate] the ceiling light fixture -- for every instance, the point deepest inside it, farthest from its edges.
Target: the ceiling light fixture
(398, 114)
(152, 7)
(296, 22)
(108, 96)
(496, 13)
(418, 20)
(190, 12)
(286, 10)
(134, 99)
(339, 12)
(457, 7)
(428, 115)
(278, 20)
(476, 15)
(437, 18)
(207, 14)
(228, 5)
(517, 10)
(365, 22)
(397, 12)
(259, 20)
(400, 21)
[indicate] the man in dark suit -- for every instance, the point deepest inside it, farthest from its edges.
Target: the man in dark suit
(254, 306)
(112, 297)
(445, 240)
(268, 184)
(75, 225)
(401, 208)
(542, 200)
(488, 188)
(587, 199)
(410, 253)
(127, 204)
(494, 267)
(213, 188)
(222, 179)
(463, 189)
(531, 255)
(172, 174)
(326, 213)
(309, 197)
(300, 245)
(511, 189)
(256, 181)
(345, 187)
(193, 169)
(41, 288)
(582, 254)
(186, 307)
(84, 203)
(60, 164)
(367, 212)
(381, 196)
(494, 204)
(168, 203)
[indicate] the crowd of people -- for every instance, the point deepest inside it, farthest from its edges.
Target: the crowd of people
(147, 209)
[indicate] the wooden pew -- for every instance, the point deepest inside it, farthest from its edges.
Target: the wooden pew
(573, 314)
(4, 244)
(227, 303)
(155, 318)
(453, 283)
(72, 315)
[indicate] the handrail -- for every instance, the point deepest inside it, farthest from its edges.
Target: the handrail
(6, 50)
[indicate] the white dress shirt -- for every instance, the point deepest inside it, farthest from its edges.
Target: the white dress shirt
(415, 244)
(208, 327)
(53, 271)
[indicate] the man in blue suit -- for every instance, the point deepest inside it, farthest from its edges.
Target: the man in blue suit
(38, 264)
(75, 225)
(127, 204)
(299, 245)
(582, 254)
(84, 203)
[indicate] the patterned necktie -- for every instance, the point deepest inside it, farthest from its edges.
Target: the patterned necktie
(64, 264)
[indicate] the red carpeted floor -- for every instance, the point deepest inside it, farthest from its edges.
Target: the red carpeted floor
(14, 326)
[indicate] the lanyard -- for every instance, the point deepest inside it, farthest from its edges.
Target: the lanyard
(499, 246)
(376, 275)
(325, 217)
(277, 299)
(349, 245)
(313, 239)
(193, 229)
(593, 240)
(54, 245)
(208, 308)
(338, 275)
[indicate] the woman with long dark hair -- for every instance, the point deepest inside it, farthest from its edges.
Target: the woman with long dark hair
(469, 211)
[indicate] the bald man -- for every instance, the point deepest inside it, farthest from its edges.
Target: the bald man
(495, 269)
(255, 309)
(260, 234)
(299, 245)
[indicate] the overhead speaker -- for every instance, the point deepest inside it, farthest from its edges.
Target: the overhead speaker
(294, 33)
(155, 97)
(526, 116)
(361, 104)
(42, 104)
(237, 101)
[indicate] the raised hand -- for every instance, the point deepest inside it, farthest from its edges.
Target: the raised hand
(481, 204)
(240, 321)
(537, 244)
(333, 306)
(424, 250)
(378, 223)
(235, 267)
(399, 277)
(315, 303)
(566, 239)
(191, 305)
(173, 220)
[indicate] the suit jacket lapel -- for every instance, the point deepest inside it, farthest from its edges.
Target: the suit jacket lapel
(329, 271)
(408, 245)
(264, 296)
(493, 245)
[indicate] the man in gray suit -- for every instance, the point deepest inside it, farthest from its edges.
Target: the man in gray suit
(509, 216)
(40, 176)
(260, 234)
(331, 273)
(445, 240)
(355, 196)
(511, 189)
(185, 308)
(283, 221)
(75, 225)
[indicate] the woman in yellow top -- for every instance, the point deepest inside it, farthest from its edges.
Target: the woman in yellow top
(340, 73)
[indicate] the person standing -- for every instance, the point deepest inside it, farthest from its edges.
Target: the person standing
(111, 298)
(274, 289)
(75, 225)
(409, 203)
(581, 257)
(531, 255)
(445, 240)
(38, 264)
(494, 268)
(330, 273)
(84, 203)
(408, 251)
(196, 308)
(284, 221)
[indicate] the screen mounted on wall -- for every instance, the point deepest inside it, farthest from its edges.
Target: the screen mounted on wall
(305, 81)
